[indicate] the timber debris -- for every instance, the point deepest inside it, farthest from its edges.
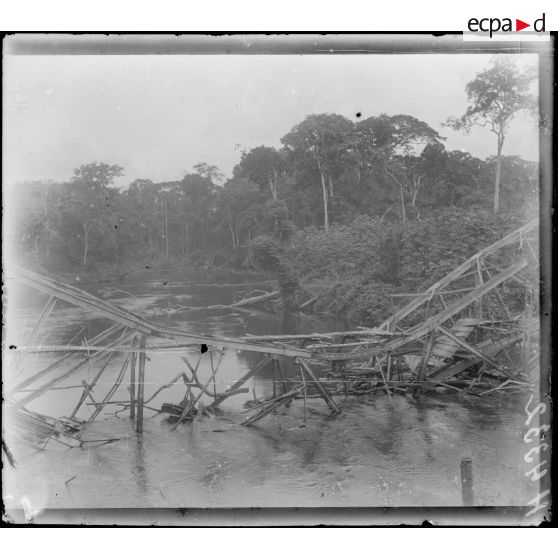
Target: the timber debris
(465, 334)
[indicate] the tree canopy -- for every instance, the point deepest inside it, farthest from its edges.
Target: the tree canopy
(329, 171)
(495, 96)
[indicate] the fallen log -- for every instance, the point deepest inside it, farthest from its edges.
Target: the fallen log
(256, 299)
(271, 405)
(239, 304)
(327, 398)
(234, 388)
(308, 302)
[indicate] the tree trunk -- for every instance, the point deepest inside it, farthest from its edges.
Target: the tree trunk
(331, 193)
(85, 243)
(324, 194)
(498, 172)
(416, 188)
(166, 230)
(47, 242)
(401, 192)
(324, 190)
(162, 229)
(403, 206)
(273, 185)
(232, 235)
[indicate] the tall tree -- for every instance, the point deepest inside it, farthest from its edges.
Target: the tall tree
(90, 202)
(391, 143)
(211, 172)
(38, 217)
(495, 96)
(239, 208)
(195, 202)
(262, 165)
(142, 206)
(316, 143)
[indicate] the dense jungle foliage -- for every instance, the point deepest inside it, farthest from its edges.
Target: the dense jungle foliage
(344, 212)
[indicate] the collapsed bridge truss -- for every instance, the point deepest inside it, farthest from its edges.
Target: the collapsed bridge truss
(474, 330)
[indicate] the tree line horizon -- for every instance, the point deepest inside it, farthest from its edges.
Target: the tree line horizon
(328, 172)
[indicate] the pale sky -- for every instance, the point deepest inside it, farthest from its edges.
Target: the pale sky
(157, 116)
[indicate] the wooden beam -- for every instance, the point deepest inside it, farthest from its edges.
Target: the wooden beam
(467, 346)
(132, 387)
(508, 314)
(192, 404)
(106, 399)
(282, 375)
(102, 308)
(47, 309)
(449, 371)
(241, 381)
(87, 389)
(422, 329)
(273, 404)
(320, 387)
(97, 339)
(141, 386)
(457, 272)
(49, 385)
(360, 332)
(426, 358)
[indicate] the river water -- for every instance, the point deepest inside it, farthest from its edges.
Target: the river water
(371, 454)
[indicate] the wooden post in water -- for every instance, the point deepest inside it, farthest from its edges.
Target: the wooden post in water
(467, 489)
(274, 386)
(282, 374)
(141, 386)
(133, 387)
(478, 304)
(426, 356)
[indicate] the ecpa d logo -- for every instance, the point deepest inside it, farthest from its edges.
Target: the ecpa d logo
(492, 25)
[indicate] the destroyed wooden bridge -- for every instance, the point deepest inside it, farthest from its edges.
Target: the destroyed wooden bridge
(474, 331)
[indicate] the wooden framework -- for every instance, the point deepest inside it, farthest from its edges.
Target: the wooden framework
(460, 324)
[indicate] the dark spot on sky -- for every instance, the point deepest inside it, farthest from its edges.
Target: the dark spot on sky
(146, 267)
(204, 348)
(13, 346)
(358, 114)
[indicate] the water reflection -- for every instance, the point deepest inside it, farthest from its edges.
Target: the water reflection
(423, 427)
(138, 471)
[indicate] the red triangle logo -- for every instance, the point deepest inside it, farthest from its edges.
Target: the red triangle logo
(519, 25)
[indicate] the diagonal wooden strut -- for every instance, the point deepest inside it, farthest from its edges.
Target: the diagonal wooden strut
(106, 399)
(425, 327)
(238, 383)
(97, 339)
(467, 346)
(327, 398)
(89, 387)
(49, 385)
(102, 308)
(513, 237)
